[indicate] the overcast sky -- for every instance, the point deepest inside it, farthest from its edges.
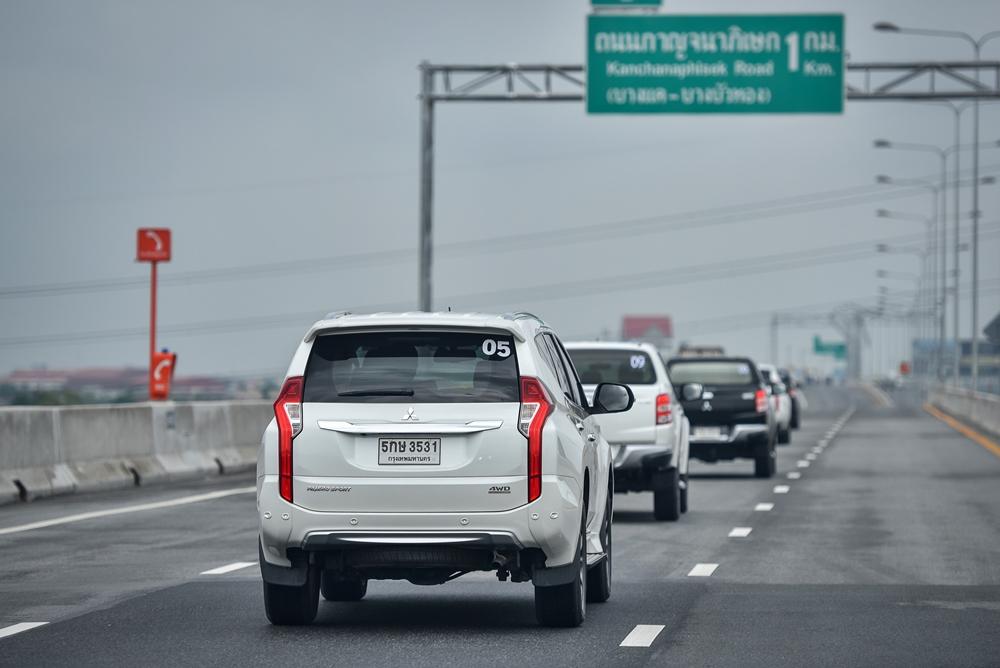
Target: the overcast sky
(264, 131)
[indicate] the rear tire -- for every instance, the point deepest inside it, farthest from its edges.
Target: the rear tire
(666, 496)
(566, 605)
(784, 436)
(765, 464)
(343, 590)
(599, 577)
(684, 493)
(795, 419)
(293, 606)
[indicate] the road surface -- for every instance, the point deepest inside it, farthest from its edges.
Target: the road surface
(878, 543)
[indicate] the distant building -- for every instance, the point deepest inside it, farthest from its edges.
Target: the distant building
(94, 385)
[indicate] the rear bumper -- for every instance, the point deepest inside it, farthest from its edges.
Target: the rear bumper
(635, 465)
(743, 440)
(550, 524)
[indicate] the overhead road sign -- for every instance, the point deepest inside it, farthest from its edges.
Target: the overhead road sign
(625, 4)
(715, 64)
(838, 349)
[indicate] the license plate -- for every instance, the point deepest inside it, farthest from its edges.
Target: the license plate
(409, 451)
(708, 432)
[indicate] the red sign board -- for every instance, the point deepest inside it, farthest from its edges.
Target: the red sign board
(153, 244)
(160, 375)
(651, 328)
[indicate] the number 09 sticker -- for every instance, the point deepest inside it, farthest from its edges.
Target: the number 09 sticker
(496, 348)
(638, 361)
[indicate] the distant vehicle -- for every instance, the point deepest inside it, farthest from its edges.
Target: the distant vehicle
(795, 391)
(783, 403)
(727, 402)
(688, 350)
(650, 442)
(426, 446)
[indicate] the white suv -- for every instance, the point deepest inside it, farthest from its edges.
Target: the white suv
(423, 446)
(650, 442)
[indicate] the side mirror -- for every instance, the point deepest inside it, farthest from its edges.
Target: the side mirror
(612, 398)
(779, 388)
(693, 391)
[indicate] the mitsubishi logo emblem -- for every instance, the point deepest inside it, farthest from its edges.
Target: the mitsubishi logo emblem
(409, 415)
(706, 406)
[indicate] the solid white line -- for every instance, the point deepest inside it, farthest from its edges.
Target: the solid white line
(702, 570)
(802, 464)
(184, 500)
(740, 532)
(18, 628)
(229, 568)
(642, 635)
(763, 507)
(781, 489)
(794, 475)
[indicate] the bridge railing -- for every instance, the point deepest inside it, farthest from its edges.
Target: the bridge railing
(979, 409)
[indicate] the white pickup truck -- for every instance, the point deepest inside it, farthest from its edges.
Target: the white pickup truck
(650, 442)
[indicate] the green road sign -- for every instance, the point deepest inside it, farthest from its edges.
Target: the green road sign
(626, 3)
(837, 349)
(715, 64)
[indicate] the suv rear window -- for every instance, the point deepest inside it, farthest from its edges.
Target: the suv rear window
(603, 365)
(714, 372)
(412, 367)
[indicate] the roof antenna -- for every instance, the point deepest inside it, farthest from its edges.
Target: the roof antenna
(449, 309)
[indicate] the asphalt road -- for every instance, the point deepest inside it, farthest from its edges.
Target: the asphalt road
(884, 550)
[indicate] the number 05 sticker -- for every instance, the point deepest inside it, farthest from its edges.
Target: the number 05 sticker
(493, 347)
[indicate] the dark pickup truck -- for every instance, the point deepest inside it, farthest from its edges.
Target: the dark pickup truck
(727, 403)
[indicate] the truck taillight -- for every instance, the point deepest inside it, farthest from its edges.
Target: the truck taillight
(760, 401)
(663, 412)
(288, 415)
(536, 406)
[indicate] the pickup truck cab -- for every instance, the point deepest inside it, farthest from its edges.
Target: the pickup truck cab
(650, 442)
(727, 401)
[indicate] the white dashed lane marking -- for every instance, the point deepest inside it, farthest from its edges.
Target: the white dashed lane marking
(642, 635)
(702, 570)
(802, 464)
(763, 507)
(740, 532)
(794, 475)
(18, 628)
(181, 501)
(810, 456)
(229, 568)
(781, 489)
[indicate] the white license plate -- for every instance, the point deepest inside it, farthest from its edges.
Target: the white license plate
(708, 432)
(409, 451)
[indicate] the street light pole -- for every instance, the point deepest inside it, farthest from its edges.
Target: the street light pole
(977, 46)
(426, 183)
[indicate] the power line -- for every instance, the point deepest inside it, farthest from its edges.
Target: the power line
(804, 203)
(677, 276)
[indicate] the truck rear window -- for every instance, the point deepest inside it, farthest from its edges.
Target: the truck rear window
(412, 367)
(715, 372)
(603, 365)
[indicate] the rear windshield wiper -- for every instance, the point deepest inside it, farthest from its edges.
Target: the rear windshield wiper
(384, 392)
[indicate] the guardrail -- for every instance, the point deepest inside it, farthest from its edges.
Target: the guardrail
(57, 450)
(979, 409)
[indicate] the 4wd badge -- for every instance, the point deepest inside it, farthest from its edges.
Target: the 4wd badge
(500, 489)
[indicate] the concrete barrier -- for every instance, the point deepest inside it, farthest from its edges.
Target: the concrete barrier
(55, 450)
(979, 409)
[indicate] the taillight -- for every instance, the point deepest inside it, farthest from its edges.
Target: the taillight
(535, 408)
(288, 415)
(663, 413)
(760, 401)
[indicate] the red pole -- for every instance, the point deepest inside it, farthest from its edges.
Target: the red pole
(152, 325)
